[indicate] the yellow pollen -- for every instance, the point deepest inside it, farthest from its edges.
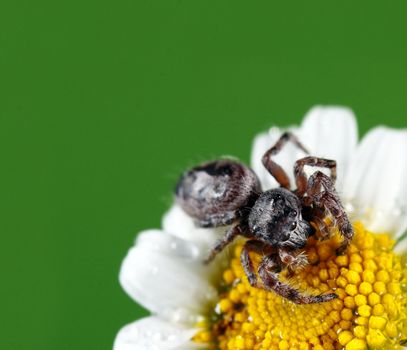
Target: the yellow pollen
(370, 312)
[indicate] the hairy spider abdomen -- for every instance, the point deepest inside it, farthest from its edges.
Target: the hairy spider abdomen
(218, 192)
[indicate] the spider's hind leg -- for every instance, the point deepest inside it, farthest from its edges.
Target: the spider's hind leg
(230, 235)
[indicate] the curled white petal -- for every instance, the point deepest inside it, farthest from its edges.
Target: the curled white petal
(376, 183)
(153, 333)
(165, 274)
(330, 132)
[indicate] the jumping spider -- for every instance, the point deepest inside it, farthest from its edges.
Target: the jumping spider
(276, 222)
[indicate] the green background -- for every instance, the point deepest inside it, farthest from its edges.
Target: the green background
(103, 104)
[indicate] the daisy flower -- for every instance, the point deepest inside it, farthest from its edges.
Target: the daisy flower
(197, 306)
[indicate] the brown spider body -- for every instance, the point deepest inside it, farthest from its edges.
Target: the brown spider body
(276, 222)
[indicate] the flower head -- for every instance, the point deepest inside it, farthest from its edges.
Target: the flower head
(203, 306)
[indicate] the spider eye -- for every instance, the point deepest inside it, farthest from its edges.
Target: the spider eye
(293, 226)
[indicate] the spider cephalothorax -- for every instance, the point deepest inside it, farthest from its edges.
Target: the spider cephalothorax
(276, 219)
(276, 222)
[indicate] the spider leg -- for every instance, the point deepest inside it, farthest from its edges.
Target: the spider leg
(218, 219)
(293, 260)
(272, 167)
(230, 235)
(323, 228)
(301, 177)
(268, 272)
(329, 200)
(247, 264)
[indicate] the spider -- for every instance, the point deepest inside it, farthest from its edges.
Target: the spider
(276, 222)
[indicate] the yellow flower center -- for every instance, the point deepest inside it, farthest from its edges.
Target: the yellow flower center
(370, 312)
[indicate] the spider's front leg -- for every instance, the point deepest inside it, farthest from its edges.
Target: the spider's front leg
(317, 214)
(268, 272)
(329, 200)
(317, 217)
(247, 264)
(273, 168)
(300, 176)
(292, 260)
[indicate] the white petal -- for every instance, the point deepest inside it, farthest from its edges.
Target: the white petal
(153, 333)
(166, 275)
(376, 183)
(285, 158)
(330, 132)
(180, 224)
